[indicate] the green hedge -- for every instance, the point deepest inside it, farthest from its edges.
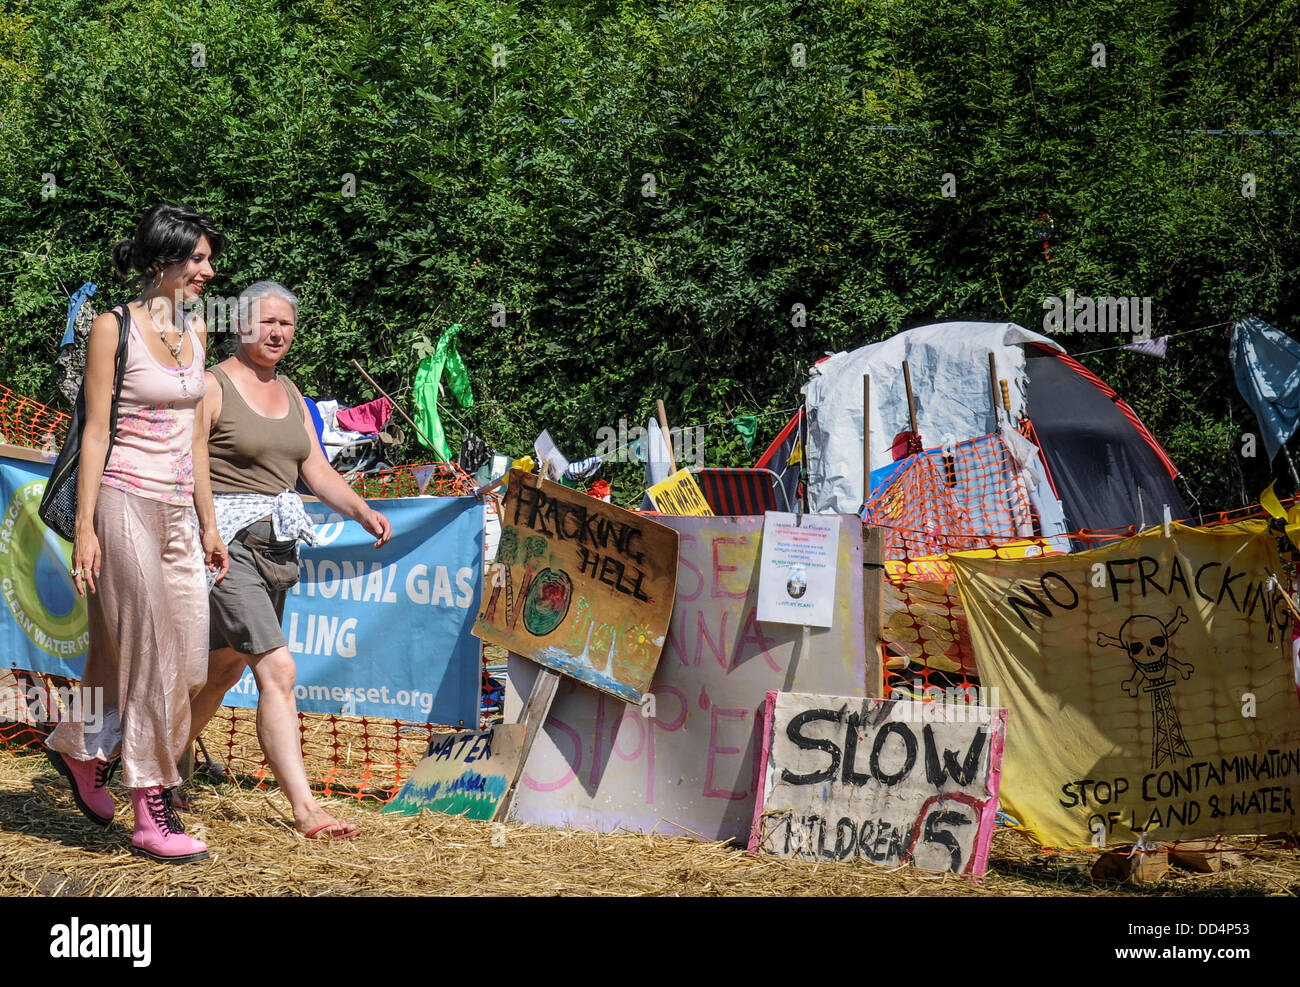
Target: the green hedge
(517, 181)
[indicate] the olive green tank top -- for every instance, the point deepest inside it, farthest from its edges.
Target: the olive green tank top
(250, 453)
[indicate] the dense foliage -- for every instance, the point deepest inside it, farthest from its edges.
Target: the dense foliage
(504, 155)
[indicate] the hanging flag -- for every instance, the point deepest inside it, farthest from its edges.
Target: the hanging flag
(784, 457)
(1266, 363)
(1150, 347)
(445, 357)
(423, 474)
(747, 426)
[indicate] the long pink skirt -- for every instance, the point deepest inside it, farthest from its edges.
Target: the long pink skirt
(148, 639)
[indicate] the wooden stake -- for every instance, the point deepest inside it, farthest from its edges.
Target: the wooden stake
(993, 385)
(873, 588)
(1006, 401)
(533, 715)
(866, 437)
(911, 401)
(668, 436)
(398, 408)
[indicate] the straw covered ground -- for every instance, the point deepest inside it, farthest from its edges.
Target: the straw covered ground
(46, 848)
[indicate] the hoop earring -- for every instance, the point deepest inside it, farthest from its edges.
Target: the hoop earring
(157, 278)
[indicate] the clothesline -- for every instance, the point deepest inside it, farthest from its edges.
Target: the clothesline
(1171, 335)
(442, 409)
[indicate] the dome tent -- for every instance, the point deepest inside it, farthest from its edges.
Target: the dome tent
(1103, 464)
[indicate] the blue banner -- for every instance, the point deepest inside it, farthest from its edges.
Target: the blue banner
(43, 622)
(374, 632)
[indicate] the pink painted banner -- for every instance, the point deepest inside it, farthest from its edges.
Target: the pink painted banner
(693, 765)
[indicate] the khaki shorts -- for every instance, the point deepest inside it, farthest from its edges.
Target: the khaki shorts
(246, 608)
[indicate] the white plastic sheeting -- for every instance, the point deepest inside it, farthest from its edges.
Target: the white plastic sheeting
(949, 363)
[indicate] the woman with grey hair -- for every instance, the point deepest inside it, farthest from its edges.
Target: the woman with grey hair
(261, 443)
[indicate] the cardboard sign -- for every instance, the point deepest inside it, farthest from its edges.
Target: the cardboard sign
(1151, 682)
(689, 762)
(680, 495)
(796, 577)
(580, 586)
(463, 774)
(880, 780)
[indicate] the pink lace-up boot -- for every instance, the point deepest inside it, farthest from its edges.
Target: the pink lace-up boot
(89, 781)
(159, 834)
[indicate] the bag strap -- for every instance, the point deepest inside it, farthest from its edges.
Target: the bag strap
(123, 340)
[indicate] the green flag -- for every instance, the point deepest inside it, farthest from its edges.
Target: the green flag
(445, 357)
(747, 426)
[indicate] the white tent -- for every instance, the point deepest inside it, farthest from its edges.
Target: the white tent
(949, 364)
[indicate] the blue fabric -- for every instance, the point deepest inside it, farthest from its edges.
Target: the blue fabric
(1266, 362)
(74, 306)
(317, 422)
(880, 477)
(1051, 520)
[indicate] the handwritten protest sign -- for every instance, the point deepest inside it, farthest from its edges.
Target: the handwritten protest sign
(580, 586)
(689, 763)
(881, 780)
(463, 774)
(1151, 682)
(680, 495)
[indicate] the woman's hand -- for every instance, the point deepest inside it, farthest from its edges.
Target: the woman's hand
(86, 558)
(377, 524)
(215, 555)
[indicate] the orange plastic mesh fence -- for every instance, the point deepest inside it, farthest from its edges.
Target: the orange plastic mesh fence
(438, 479)
(24, 422)
(361, 757)
(969, 495)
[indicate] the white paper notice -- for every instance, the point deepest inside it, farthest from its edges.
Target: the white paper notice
(796, 575)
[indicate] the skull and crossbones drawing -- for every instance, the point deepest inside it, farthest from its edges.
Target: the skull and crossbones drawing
(1145, 639)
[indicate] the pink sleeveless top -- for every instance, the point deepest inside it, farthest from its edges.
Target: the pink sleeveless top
(152, 450)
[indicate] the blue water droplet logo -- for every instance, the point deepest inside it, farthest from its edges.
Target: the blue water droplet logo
(53, 588)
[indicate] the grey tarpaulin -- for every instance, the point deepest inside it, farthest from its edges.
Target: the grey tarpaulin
(1266, 362)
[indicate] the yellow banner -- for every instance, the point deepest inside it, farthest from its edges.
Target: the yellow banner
(679, 494)
(1149, 686)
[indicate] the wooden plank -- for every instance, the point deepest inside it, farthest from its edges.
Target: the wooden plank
(866, 437)
(911, 400)
(186, 764)
(668, 435)
(873, 607)
(25, 454)
(993, 385)
(531, 718)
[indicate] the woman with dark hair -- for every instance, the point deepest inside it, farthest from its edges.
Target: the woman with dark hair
(136, 549)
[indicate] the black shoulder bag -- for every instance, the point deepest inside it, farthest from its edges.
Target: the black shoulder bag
(59, 504)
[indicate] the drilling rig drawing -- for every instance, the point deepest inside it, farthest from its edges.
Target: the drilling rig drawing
(1145, 639)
